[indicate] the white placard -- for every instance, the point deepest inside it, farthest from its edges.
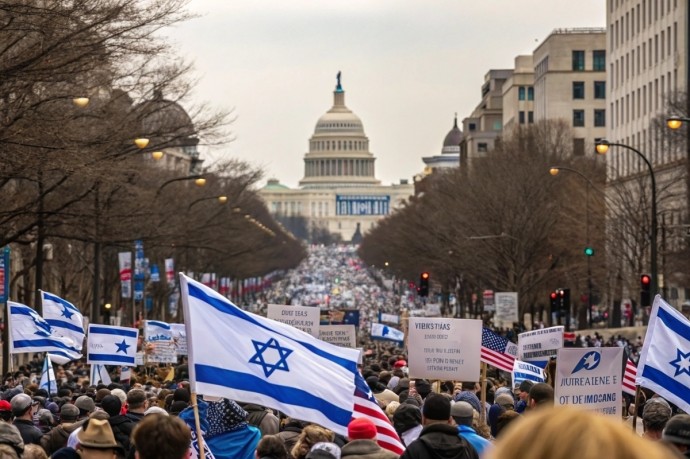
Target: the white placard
(506, 304)
(540, 344)
(180, 338)
(304, 318)
(160, 346)
(389, 318)
(340, 335)
(591, 379)
(139, 358)
(445, 349)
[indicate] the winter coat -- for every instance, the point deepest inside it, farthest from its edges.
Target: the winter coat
(267, 422)
(440, 441)
(122, 429)
(289, 435)
(57, 438)
(29, 432)
(366, 449)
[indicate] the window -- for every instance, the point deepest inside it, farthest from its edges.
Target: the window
(521, 93)
(522, 117)
(599, 118)
(600, 90)
(530, 93)
(579, 61)
(472, 127)
(578, 118)
(579, 147)
(598, 60)
(578, 89)
(482, 147)
(498, 125)
(530, 117)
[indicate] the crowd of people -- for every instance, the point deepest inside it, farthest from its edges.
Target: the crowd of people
(152, 415)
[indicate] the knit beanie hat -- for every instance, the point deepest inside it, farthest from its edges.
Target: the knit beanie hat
(361, 429)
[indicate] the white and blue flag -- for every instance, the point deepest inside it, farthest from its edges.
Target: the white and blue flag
(99, 374)
(245, 357)
(48, 381)
(64, 317)
(525, 371)
(29, 332)
(664, 365)
(384, 332)
(111, 345)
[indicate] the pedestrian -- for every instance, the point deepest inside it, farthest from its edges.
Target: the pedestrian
(23, 419)
(136, 405)
(121, 425)
(271, 447)
(311, 435)
(57, 438)
(463, 415)
(161, 437)
(96, 441)
(362, 445)
(407, 422)
(677, 433)
(11, 442)
(324, 450)
(540, 394)
(655, 415)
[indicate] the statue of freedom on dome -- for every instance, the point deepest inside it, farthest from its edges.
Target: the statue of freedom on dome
(338, 87)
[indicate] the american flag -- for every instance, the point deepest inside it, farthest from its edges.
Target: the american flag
(366, 406)
(629, 377)
(497, 351)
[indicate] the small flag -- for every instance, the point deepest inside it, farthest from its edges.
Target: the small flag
(64, 317)
(99, 374)
(629, 377)
(31, 333)
(497, 351)
(125, 374)
(524, 371)
(110, 345)
(664, 365)
(272, 364)
(48, 381)
(384, 332)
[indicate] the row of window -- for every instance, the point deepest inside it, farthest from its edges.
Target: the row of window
(339, 167)
(525, 93)
(338, 145)
(638, 18)
(294, 208)
(599, 118)
(644, 99)
(598, 60)
(579, 89)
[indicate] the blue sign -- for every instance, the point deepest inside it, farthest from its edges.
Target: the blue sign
(362, 205)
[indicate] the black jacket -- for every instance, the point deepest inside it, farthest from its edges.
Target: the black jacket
(29, 432)
(440, 441)
(122, 429)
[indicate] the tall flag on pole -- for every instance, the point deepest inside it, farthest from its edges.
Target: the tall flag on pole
(65, 318)
(48, 381)
(497, 351)
(29, 332)
(110, 345)
(664, 365)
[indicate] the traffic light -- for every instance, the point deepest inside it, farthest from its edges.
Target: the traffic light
(564, 295)
(555, 303)
(424, 284)
(645, 290)
(589, 251)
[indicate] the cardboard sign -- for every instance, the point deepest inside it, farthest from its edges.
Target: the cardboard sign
(541, 344)
(179, 334)
(506, 304)
(303, 318)
(591, 379)
(445, 349)
(340, 335)
(160, 347)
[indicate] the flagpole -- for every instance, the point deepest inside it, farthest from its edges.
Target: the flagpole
(482, 413)
(197, 424)
(637, 398)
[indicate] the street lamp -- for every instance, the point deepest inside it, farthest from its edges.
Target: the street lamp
(602, 147)
(141, 142)
(222, 199)
(80, 102)
(199, 180)
(676, 122)
(554, 170)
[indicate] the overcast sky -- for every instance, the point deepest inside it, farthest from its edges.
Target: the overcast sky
(407, 67)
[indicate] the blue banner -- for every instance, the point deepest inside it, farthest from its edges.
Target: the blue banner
(362, 205)
(5, 275)
(139, 270)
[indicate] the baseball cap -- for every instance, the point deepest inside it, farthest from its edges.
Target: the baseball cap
(85, 403)
(69, 412)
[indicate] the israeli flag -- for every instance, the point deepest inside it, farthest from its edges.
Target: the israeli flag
(48, 377)
(100, 374)
(384, 332)
(111, 345)
(524, 371)
(664, 365)
(245, 357)
(30, 333)
(64, 317)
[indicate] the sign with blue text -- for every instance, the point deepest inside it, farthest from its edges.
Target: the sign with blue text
(362, 205)
(590, 378)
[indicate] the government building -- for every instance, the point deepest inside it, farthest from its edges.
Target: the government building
(339, 192)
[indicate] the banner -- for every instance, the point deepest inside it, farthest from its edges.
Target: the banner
(159, 336)
(488, 301)
(389, 318)
(139, 270)
(5, 275)
(523, 371)
(590, 379)
(540, 345)
(170, 271)
(125, 259)
(303, 318)
(447, 349)
(155, 274)
(506, 304)
(340, 335)
(179, 335)
(384, 332)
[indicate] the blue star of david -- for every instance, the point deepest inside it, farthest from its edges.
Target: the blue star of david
(67, 313)
(269, 368)
(122, 346)
(681, 363)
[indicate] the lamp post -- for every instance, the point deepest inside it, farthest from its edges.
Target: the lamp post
(222, 199)
(554, 170)
(602, 147)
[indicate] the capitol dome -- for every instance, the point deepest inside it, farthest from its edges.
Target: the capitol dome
(339, 149)
(451, 144)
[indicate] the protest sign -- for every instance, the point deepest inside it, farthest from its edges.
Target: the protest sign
(389, 318)
(445, 349)
(540, 345)
(179, 335)
(160, 345)
(506, 304)
(303, 318)
(591, 379)
(524, 371)
(340, 335)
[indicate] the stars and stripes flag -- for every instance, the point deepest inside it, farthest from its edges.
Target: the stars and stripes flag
(629, 377)
(497, 351)
(367, 407)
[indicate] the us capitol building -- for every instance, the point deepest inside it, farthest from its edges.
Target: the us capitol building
(339, 191)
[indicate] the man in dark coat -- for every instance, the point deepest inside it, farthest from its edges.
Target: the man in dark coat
(23, 419)
(122, 426)
(439, 438)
